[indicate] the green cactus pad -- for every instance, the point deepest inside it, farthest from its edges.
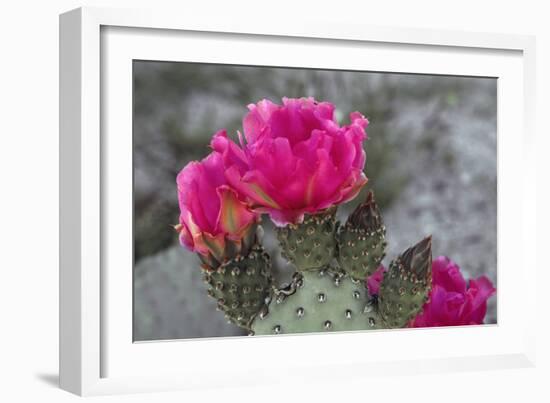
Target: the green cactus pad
(241, 285)
(320, 301)
(406, 285)
(311, 244)
(361, 241)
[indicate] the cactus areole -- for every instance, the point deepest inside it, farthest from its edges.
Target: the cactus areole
(297, 165)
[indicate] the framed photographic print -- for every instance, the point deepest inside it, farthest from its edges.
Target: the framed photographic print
(230, 191)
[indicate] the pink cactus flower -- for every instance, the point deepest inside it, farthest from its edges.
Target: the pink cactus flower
(452, 301)
(210, 210)
(295, 159)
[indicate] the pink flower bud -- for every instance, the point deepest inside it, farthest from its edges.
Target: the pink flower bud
(210, 210)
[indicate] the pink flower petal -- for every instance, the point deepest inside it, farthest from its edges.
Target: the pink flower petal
(447, 274)
(480, 290)
(230, 152)
(256, 120)
(234, 216)
(375, 279)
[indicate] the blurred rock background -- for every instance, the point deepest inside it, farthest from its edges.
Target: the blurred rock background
(431, 161)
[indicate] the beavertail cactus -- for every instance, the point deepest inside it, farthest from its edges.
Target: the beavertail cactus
(297, 164)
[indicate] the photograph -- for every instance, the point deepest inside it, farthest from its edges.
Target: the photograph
(276, 200)
(227, 201)
(233, 201)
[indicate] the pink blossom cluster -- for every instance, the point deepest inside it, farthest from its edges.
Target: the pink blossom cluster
(293, 159)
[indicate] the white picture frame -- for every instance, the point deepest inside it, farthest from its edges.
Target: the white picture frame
(96, 48)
